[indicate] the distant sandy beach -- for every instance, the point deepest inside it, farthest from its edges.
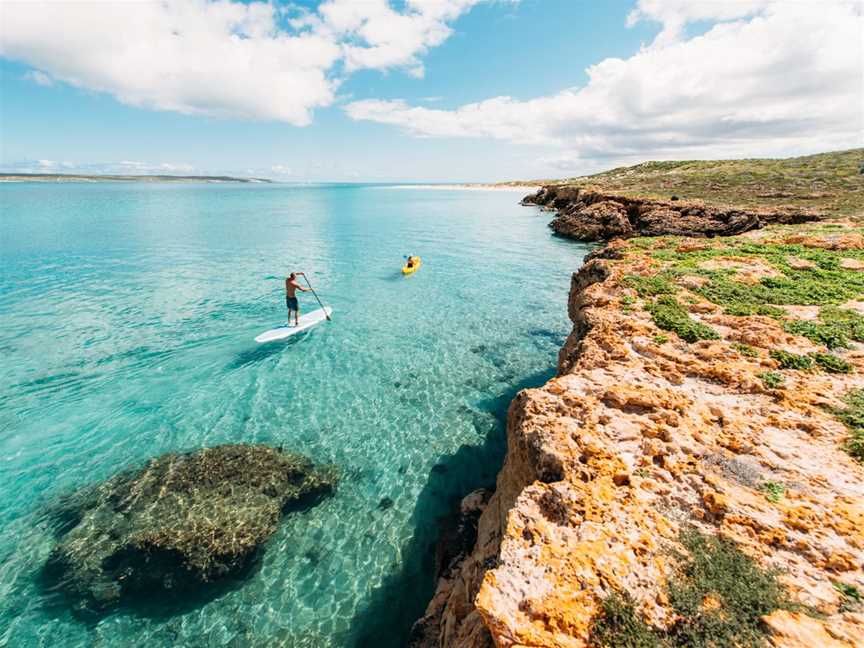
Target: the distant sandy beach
(525, 189)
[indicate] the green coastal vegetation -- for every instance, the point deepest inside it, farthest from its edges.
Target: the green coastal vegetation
(773, 491)
(853, 417)
(852, 600)
(791, 275)
(831, 183)
(718, 593)
(669, 315)
(772, 379)
(826, 283)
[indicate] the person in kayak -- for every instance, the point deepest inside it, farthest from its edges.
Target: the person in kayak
(410, 263)
(291, 288)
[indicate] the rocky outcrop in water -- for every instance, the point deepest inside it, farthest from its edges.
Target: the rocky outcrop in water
(181, 522)
(589, 215)
(661, 491)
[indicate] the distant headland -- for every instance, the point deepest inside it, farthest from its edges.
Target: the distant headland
(85, 177)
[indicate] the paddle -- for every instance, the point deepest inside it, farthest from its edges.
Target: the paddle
(329, 319)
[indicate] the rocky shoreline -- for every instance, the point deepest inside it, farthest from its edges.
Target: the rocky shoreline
(706, 423)
(593, 215)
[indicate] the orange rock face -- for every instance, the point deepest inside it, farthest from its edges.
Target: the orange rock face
(641, 435)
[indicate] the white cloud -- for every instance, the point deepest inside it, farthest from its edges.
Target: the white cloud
(767, 77)
(220, 57)
(281, 169)
(192, 56)
(675, 14)
(133, 167)
(170, 167)
(123, 167)
(374, 35)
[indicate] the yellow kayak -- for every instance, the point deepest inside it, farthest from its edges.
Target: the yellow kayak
(411, 269)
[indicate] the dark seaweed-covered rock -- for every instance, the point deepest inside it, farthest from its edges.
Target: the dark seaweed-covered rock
(181, 522)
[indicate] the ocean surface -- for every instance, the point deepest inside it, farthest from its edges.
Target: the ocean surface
(127, 318)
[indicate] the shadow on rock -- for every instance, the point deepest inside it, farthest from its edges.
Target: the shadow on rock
(176, 533)
(402, 598)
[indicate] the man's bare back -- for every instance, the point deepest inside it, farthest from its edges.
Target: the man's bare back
(291, 287)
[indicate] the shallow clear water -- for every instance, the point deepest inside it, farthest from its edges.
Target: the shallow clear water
(127, 318)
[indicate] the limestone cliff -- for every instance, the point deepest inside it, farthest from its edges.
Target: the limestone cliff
(709, 386)
(592, 215)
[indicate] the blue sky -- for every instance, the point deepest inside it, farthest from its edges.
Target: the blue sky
(504, 90)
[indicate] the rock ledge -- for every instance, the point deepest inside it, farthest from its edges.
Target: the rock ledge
(591, 215)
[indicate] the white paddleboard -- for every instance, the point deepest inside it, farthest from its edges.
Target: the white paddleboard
(307, 321)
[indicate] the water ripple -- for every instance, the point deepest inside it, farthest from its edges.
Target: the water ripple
(128, 315)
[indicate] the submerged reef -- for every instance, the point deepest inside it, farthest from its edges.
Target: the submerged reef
(694, 474)
(180, 523)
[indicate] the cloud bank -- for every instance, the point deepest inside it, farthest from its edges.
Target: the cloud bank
(124, 167)
(721, 79)
(766, 76)
(220, 58)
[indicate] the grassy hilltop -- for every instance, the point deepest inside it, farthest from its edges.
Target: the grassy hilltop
(828, 182)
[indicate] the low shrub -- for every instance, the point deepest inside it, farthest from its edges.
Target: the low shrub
(652, 286)
(743, 592)
(745, 350)
(831, 363)
(792, 360)
(772, 379)
(853, 417)
(621, 627)
(740, 593)
(670, 315)
(773, 491)
(834, 329)
(851, 600)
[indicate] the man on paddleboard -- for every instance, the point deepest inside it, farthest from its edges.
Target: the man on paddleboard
(291, 288)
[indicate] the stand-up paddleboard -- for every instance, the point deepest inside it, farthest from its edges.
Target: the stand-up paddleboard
(307, 321)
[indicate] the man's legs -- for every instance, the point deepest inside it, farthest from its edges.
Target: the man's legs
(294, 307)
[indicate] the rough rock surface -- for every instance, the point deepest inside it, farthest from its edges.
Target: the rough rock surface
(588, 215)
(182, 521)
(642, 435)
(457, 539)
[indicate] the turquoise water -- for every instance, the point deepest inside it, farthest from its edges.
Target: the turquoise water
(127, 318)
